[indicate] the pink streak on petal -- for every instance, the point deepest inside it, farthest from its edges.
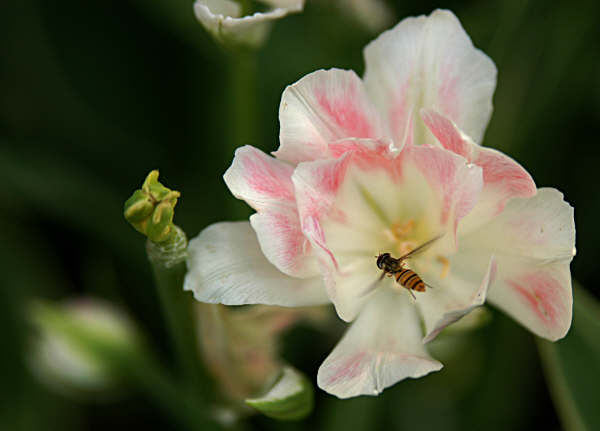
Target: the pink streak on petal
(499, 171)
(497, 168)
(267, 178)
(446, 133)
(367, 155)
(541, 292)
(399, 112)
(313, 229)
(349, 369)
(442, 176)
(345, 112)
(295, 242)
(448, 95)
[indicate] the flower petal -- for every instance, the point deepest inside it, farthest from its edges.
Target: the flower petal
(226, 266)
(222, 19)
(265, 184)
(430, 62)
(347, 205)
(503, 177)
(533, 241)
(455, 295)
(323, 107)
(382, 347)
(260, 180)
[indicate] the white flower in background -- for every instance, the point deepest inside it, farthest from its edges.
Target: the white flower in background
(224, 20)
(382, 165)
(64, 351)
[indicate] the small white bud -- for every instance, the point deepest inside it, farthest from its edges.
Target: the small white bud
(79, 345)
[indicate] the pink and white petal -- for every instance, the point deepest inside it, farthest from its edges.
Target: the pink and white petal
(382, 347)
(283, 243)
(537, 296)
(541, 227)
(265, 184)
(456, 294)
(323, 107)
(533, 241)
(430, 62)
(227, 266)
(457, 183)
(503, 177)
(259, 179)
(348, 205)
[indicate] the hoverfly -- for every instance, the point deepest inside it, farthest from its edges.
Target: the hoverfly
(405, 277)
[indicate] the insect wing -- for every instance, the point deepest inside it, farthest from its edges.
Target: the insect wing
(372, 286)
(421, 248)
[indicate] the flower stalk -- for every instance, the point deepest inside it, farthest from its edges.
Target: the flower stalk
(168, 266)
(243, 73)
(150, 210)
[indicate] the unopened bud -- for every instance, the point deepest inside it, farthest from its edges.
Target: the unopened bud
(80, 347)
(150, 209)
(290, 398)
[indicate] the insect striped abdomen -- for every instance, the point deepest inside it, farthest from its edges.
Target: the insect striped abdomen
(409, 279)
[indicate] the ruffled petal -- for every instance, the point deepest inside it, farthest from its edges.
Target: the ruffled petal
(323, 107)
(347, 206)
(533, 241)
(226, 266)
(455, 294)
(265, 184)
(430, 62)
(503, 177)
(382, 347)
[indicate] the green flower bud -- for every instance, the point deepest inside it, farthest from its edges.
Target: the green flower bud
(150, 209)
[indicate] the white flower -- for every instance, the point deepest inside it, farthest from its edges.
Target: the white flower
(382, 165)
(222, 18)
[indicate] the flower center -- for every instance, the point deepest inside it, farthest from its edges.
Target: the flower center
(405, 237)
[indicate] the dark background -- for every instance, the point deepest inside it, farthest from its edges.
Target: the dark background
(95, 94)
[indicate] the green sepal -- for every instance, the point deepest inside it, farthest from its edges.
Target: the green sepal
(290, 398)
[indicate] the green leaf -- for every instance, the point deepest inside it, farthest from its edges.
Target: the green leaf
(291, 398)
(572, 366)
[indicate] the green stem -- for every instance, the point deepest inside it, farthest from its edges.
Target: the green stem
(243, 72)
(155, 383)
(168, 264)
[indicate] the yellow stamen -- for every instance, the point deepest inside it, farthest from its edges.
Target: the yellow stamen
(446, 266)
(402, 230)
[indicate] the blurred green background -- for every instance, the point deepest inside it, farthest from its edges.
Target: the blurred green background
(95, 94)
